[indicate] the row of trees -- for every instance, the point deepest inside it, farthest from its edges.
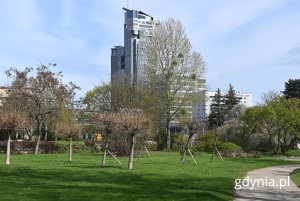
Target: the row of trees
(41, 97)
(43, 105)
(37, 102)
(273, 126)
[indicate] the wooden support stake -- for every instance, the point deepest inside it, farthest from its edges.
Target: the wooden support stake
(192, 156)
(148, 152)
(140, 154)
(114, 157)
(213, 154)
(219, 154)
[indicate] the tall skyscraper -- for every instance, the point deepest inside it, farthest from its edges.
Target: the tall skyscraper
(128, 62)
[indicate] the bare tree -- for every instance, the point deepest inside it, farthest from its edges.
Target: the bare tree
(133, 123)
(173, 71)
(70, 130)
(267, 97)
(41, 92)
(11, 121)
(192, 126)
(107, 122)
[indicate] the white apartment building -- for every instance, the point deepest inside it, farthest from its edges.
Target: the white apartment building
(202, 110)
(196, 87)
(3, 93)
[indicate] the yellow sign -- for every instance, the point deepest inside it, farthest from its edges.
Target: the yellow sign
(99, 137)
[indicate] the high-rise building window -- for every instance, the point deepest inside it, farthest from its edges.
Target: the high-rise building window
(123, 62)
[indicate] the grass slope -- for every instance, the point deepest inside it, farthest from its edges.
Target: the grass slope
(296, 177)
(51, 177)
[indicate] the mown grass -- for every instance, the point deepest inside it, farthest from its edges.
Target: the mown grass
(51, 177)
(293, 153)
(296, 177)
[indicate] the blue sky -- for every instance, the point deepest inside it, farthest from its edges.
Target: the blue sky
(253, 44)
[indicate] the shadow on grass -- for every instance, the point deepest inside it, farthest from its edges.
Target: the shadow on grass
(96, 167)
(29, 184)
(53, 178)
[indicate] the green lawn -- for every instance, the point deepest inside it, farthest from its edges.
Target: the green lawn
(296, 177)
(293, 153)
(51, 177)
(296, 174)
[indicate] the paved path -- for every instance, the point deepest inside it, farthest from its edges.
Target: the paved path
(271, 185)
(291, 158)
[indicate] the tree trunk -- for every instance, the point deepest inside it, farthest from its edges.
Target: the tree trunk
(55, 134)
(278, 144)
(37, 145)
(30, 133)
(7, 158)
(187, 146)
(169, 136)
(38, 139)
(270, 141)
(70, 149)
(46, 135)
(105, 152)
(130, 161)
(46, 132)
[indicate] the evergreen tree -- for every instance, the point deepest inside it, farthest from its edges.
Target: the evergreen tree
(292, 88)
(217, 111)
(230, 99)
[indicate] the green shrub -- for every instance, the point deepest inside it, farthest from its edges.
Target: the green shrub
(19, 147)
(230, 149)
(229, 146)
(47, 146)
(63, 146)
(94, 146)
(179, 142)
(293, 153)
(206, 142)
(161, 139)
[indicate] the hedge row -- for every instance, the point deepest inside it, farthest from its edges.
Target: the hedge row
(51, 146)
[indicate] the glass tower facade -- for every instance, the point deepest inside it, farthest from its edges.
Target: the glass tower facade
(128, 62)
